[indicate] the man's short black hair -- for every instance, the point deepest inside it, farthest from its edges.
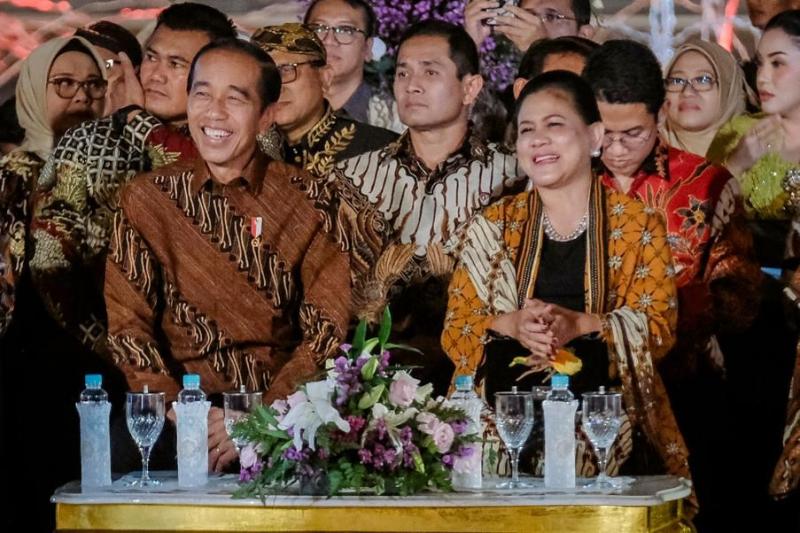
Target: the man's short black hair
(532, 63)
(788, 21)
(269, 83)
(582, 10)
(570, 84)
(626, 72)
(370, 21)
(463, 51)
(191, 16)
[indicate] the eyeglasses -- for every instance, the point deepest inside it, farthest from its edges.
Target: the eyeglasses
(627, 139)
(700, 84)
(67, 88)
(342, 34)
(551, 18)
(288, 71)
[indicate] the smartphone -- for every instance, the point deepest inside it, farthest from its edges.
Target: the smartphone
(499, 11)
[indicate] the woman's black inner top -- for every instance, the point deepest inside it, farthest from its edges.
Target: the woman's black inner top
(560, 281)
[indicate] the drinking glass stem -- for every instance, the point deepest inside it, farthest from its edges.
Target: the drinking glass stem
(145, 451)
(514, 467)
(602, 459)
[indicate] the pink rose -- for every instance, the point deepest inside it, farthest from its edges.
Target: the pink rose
(403, 389)
(443, 436)
(427, 422)
(248, 456)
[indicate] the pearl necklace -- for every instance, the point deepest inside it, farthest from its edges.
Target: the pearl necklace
(554, 235)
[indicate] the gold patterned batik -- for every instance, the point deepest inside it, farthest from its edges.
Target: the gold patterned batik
(628, 281)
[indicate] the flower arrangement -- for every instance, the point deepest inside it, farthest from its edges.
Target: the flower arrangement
(366, 426)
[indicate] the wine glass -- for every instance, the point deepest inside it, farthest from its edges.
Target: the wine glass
(144, 413)
(238, 404)
(602, 416)
(514, 420)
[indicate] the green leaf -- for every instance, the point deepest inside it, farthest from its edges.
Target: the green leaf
(359, 338)
(335, 481)
(369, 368)
(371, 397)
(369, 346)
(393, 346)
(419, 464)
(386, 327)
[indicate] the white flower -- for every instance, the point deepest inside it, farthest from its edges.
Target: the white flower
(424, 392)
(305, 417)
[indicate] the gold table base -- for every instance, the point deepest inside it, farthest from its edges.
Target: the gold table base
(664, 518)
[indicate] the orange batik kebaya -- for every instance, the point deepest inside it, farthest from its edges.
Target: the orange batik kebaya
(628, 282)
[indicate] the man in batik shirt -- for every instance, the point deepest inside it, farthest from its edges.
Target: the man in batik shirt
(77, 191)
(715, 268)
(221, 267)
(316, 137)
(394, 208)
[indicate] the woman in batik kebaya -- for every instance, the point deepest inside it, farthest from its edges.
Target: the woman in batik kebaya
(572, 264)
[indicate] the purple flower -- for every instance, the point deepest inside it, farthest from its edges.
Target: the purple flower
(365, 456)
(465, 451)
(380, 426)
(447, 460)
(248, 457)
(459, 426)
(293, 454)
(251, 473)
(406, 434)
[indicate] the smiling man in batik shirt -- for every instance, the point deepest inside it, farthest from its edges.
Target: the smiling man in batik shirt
(78, 189)
(393, 208)
(316, 136)
(715, 270)
(220, 266)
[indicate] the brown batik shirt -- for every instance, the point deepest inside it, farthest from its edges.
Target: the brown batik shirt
(238, 283)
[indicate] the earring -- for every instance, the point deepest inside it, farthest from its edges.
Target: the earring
(596, 152)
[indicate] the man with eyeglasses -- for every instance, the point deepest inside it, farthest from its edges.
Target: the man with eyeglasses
(714, 263)
(347, 29)
(527, 21)
(315, 135)
(394, 208)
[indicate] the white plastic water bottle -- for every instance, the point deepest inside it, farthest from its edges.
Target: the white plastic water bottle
(192, 428)
(559, 435)
(94, 410)
(467, 471)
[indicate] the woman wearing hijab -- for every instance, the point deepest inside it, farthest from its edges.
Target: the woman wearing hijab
(61, 83)
(705, 89)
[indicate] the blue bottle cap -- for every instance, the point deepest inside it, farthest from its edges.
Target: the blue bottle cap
(191, 381)
(560, 381)
(93, 381)
(464, 382)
